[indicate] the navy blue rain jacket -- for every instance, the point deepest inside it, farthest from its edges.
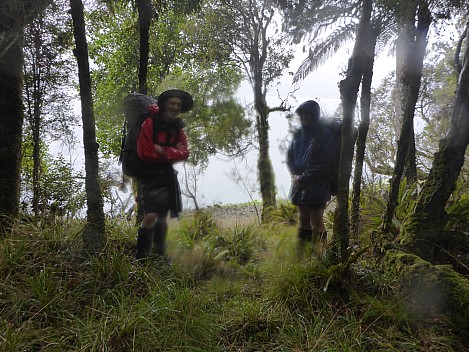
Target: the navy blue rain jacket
(309, 156)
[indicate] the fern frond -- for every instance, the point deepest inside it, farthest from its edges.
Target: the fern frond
(325, 50)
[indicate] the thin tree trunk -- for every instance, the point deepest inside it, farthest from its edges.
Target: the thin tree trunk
(264, 164)
(11, 127)
(365, 101)
(410, 53)
(266, 173)
(35, 119)
(144, 19)
(93, 235)
(348, 93)
(33, 100)
(422, 233)
(36, 152)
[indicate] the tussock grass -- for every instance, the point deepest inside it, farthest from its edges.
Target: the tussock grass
(237, 288)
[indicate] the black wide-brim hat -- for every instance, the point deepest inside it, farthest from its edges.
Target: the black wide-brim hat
(187, 101)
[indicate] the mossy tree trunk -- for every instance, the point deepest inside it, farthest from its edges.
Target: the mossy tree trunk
(94, 232)
(257, 63)
(410, 52)
(348, 93)
(422, 232)
(264, 164)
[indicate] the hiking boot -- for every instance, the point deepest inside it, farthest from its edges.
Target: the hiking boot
(305, 237)
(144, 244)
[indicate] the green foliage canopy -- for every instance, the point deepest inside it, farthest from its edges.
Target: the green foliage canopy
(178, 58)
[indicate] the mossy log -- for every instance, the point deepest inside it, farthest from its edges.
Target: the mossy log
(429, 288)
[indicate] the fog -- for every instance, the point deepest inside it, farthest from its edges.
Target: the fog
(217, 187)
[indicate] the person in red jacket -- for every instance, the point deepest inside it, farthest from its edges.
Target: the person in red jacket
(161, 143)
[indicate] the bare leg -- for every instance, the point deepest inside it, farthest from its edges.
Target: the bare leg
(317, 219)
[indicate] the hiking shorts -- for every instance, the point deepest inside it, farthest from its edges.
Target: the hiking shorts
(156, 197)
(316, 206)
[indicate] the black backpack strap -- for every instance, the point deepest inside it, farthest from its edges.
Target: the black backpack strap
(124, 134)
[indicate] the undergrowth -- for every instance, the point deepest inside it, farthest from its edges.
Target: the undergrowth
(241, 288)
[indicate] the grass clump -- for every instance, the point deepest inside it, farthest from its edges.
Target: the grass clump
(238, 288)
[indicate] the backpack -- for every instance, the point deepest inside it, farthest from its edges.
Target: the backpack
(335, 126)
(137, 107)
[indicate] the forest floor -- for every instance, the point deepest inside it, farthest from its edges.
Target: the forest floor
(234, 285)
(229, 215)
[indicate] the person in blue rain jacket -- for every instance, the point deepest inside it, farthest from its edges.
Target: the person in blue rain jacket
(308, 158)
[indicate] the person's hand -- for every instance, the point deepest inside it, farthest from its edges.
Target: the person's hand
(159, 149)
(295, 179)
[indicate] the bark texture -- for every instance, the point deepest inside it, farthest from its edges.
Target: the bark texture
(264, 164)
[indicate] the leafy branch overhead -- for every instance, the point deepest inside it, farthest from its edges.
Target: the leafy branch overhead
(198, 68)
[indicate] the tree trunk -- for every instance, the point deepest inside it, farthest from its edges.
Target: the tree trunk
(11, 126)
(410, 53)
(365, 101)
(264, 164)
(348, 94)
(144, 17)
(422, 232)
(266, 173)
(93, 235)
(36, 123)
(35, 100)
(410, 167)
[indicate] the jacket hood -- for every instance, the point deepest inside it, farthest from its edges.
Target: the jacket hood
(310, 106)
